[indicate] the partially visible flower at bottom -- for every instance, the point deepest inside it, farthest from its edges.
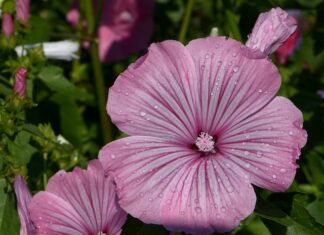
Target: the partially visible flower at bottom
(61, 50)
(23, 199)
(20, 82)
(76, 203)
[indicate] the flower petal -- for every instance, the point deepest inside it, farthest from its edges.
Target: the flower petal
(23, 199)
(92, 196)
(154, 96)
(267, 144)
(163, 183)
(233, 84)
(52, 215)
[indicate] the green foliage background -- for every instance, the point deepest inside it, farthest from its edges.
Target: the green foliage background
(61, 101)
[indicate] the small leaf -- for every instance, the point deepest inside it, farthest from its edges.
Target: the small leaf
(9, 222)
(20, 148)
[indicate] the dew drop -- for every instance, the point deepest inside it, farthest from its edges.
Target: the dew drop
(207, 56)
(274, 176)
(230, 189)
(247, 165)
(259, 154)
(150, 199)
(234, 54)
(155, 106)
(112, 156)
(260, 90)
(212, 93)
(291, 133)
(282, 170)
(142, 113)
(235, 69)
(142, 194)
(246, 152)
(198, 210)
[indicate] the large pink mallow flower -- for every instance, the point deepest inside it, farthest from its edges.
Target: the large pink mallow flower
(205, 125)
(125, 27)
(76, 203)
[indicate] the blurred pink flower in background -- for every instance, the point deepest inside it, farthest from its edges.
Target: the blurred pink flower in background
(290, 45)
(7, 24)
(125, 27)
(204, 125)
(20, 82)
(22, 10)
(79, 202)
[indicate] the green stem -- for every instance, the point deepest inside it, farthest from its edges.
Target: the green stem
(98, 74)
(45, 170)
(185, 22)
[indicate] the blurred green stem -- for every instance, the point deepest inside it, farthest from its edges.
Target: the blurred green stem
(185, 22)
(98, 74)
(45, 170)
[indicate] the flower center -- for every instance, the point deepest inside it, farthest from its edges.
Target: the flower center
(205, 143)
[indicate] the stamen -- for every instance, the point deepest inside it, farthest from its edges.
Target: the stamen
(205, 143)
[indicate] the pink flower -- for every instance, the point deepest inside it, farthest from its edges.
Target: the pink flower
(80, 202)
(289, 46)
(125, 27)
(205, 125)
(20, 82)
(271, 30)
(22, 10)
(7, 24)
(23, 200)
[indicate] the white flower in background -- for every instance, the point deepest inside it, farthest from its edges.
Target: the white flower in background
(214, 31)
(61, 50)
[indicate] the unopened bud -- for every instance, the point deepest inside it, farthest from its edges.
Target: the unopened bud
(20, 82)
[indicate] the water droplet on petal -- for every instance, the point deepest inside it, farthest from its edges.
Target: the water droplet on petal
(260, 90)
(234, 54)
(274, 176)
(235, 69)
(207, 56)
(282, 170)
(259, 154)
(155, 106)
(247, 165)
(112, 156)
(291, 133)
(198, 210)
(246, 152)
(142, 113)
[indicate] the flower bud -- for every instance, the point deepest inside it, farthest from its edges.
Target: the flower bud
(7, 24)
(20, 82)
(271, 30)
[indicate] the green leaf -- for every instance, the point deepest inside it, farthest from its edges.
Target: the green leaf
(9, 222)
(232, 24)
(308, 3)
(65, 96)
(316, 209)
(39, 31)
(20, 148)
(54, 78)
(299, 222)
